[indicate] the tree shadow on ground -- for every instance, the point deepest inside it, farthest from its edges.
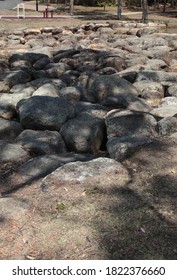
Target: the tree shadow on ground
(142, 220)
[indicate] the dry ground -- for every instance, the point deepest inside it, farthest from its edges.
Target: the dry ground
(81, 15)
(105, 218)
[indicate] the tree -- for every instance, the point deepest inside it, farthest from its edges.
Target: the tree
(145, 11)
(71, 7)
(119, 9)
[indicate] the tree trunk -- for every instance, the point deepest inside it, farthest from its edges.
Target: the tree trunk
(119, 9)
(71, 7)
(145, 11)
(156, 4)
(164, 6)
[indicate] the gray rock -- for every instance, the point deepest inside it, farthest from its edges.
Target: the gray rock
(85, 133)
(41, 166)
(136, 59)
(41, 81)
(130, 76)
(12, 152)
(44, 112)
(79, 172)
(116, 62)
(9, 101)
(165, 111)
(41, 63)
(157, 52)
(104, 86)
(156, 76)
(21, 65)
(170, 100)
(4, 87)
(123, 102)
(9, 130)
(172, 90)
(23, 89)
(168, 125)
(155, 64)
(85, 82)
(151, 41)
(7, 111)
(121, 148)
(127, 123)
(4, 66)
(31, 57)
(70, 93)
(48, 89)
(152, 92)
(15, 77)
(96, 110)
(41, 142)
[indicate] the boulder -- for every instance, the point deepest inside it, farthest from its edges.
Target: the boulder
(41, 166)
(85, 133)
(23, 89)
(70, 93)
(44, 112)
(12, 78)
(41, 142)
(31, 57)
(152, 92)
(41, 63)
(9, 101)
(168, 125)
(164, 111)
(169, 100)
(105, 86)
(21, 65)
(121, 123)
(156, 76)
(41, 81)
(9, 130)
(12, 152)
(155, 64)
(172, 90)
(7, 111)
(80, 172)
(151, 41)
(121, 148)
(4, 87)
(48, 89)
(96, 110)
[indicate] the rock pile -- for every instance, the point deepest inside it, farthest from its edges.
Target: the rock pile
(80, 92)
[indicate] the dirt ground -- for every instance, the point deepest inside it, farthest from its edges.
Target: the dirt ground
(101, 219)
(9, 20)
(106, 218)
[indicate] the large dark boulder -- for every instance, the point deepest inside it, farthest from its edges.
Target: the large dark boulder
(12, 78)
(44, 112)
(121, 123)
(9, 130)
(121, 148)
(85, 133)
(41, 142)
(105, 86)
